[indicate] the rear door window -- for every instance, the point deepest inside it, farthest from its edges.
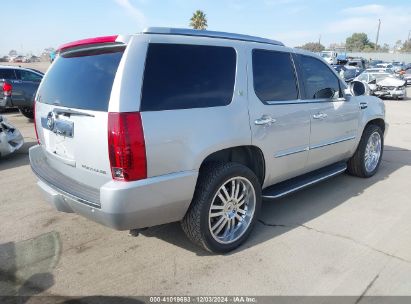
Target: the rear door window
(274, 76)
(7, 74)
(82, 79)
(179, 76)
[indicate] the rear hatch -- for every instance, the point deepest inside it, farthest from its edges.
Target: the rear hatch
(71, 112)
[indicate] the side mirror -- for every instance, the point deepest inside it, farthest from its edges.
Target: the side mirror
(359, 88)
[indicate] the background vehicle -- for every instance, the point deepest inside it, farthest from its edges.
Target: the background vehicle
(373, 63)
(18, 59)
(347, 73)
(18, 88)
(384, 84)
(329, 56)
(358, 63)
(195, 126)
(407, 76)
(350, 74)
(380, 70)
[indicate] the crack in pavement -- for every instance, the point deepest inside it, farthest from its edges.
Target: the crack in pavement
(337, 236)
(367, 288)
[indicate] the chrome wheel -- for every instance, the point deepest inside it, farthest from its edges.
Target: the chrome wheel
(373, 152)
(232, 210)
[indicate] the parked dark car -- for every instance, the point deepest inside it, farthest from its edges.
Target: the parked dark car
(18, 86)
(359, 63)
(373, 63)
(350, 74)
(347, 73)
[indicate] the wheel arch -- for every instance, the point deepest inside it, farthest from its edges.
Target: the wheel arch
(248, 155)
(380, 122)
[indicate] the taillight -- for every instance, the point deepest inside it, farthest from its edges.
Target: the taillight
(126, 146)
(7, 88)
(35, 125)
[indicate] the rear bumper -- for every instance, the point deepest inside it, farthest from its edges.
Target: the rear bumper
(5, 102)
(120, 205)
(8, 101)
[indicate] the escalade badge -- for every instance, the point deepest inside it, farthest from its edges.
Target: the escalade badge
(50, 120)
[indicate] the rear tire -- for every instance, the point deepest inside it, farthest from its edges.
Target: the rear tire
(225, 207)
(27, 112)
(367, 158)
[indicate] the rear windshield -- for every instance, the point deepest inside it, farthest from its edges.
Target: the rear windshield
(82, 79)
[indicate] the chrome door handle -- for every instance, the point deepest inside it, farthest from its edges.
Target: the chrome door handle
(320, 115)
(363, 105)
(264, 120)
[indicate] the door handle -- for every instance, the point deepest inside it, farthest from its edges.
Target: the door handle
(264, 120)
(320, 115)
(363, 105)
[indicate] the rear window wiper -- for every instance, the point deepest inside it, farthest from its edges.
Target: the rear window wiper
(71, 112)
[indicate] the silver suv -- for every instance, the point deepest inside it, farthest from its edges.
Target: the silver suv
(195, 126)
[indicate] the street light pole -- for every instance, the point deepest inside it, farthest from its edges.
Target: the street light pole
(378, 34)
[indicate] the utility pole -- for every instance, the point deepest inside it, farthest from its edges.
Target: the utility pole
(319, 39)
(378, 34)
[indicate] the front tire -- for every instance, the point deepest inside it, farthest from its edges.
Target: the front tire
(367, 158)
(225, 207)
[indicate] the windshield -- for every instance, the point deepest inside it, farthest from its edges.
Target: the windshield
(326, 55)
(82, 79)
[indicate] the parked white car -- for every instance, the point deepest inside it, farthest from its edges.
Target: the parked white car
(329, 56)
(384, 84)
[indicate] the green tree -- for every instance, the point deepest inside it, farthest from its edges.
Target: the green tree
(313, 47)
(357, 42)
(199, 20)
(385, 48)
(406, 47)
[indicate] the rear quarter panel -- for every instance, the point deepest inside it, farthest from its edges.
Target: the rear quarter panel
(179, 140)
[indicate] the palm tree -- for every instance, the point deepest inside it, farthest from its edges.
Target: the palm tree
(199, 20)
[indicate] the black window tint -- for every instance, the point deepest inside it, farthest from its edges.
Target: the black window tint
(187, 76)
(319, 81)
(7, 74)
(274, 76)
(28, 76)
(82, 79)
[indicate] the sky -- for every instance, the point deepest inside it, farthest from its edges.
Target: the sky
(31, 26)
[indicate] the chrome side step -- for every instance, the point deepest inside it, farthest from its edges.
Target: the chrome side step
(300, 182)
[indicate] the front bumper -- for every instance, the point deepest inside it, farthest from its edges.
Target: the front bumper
(396, 93)
(119, 205)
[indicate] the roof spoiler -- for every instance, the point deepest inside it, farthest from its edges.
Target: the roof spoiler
(115, 39)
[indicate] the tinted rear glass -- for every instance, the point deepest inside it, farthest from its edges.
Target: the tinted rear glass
(7, 74)
(181, 76)
(82, 79)
(274, 77)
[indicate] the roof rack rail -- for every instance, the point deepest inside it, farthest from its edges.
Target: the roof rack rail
(210, 34)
